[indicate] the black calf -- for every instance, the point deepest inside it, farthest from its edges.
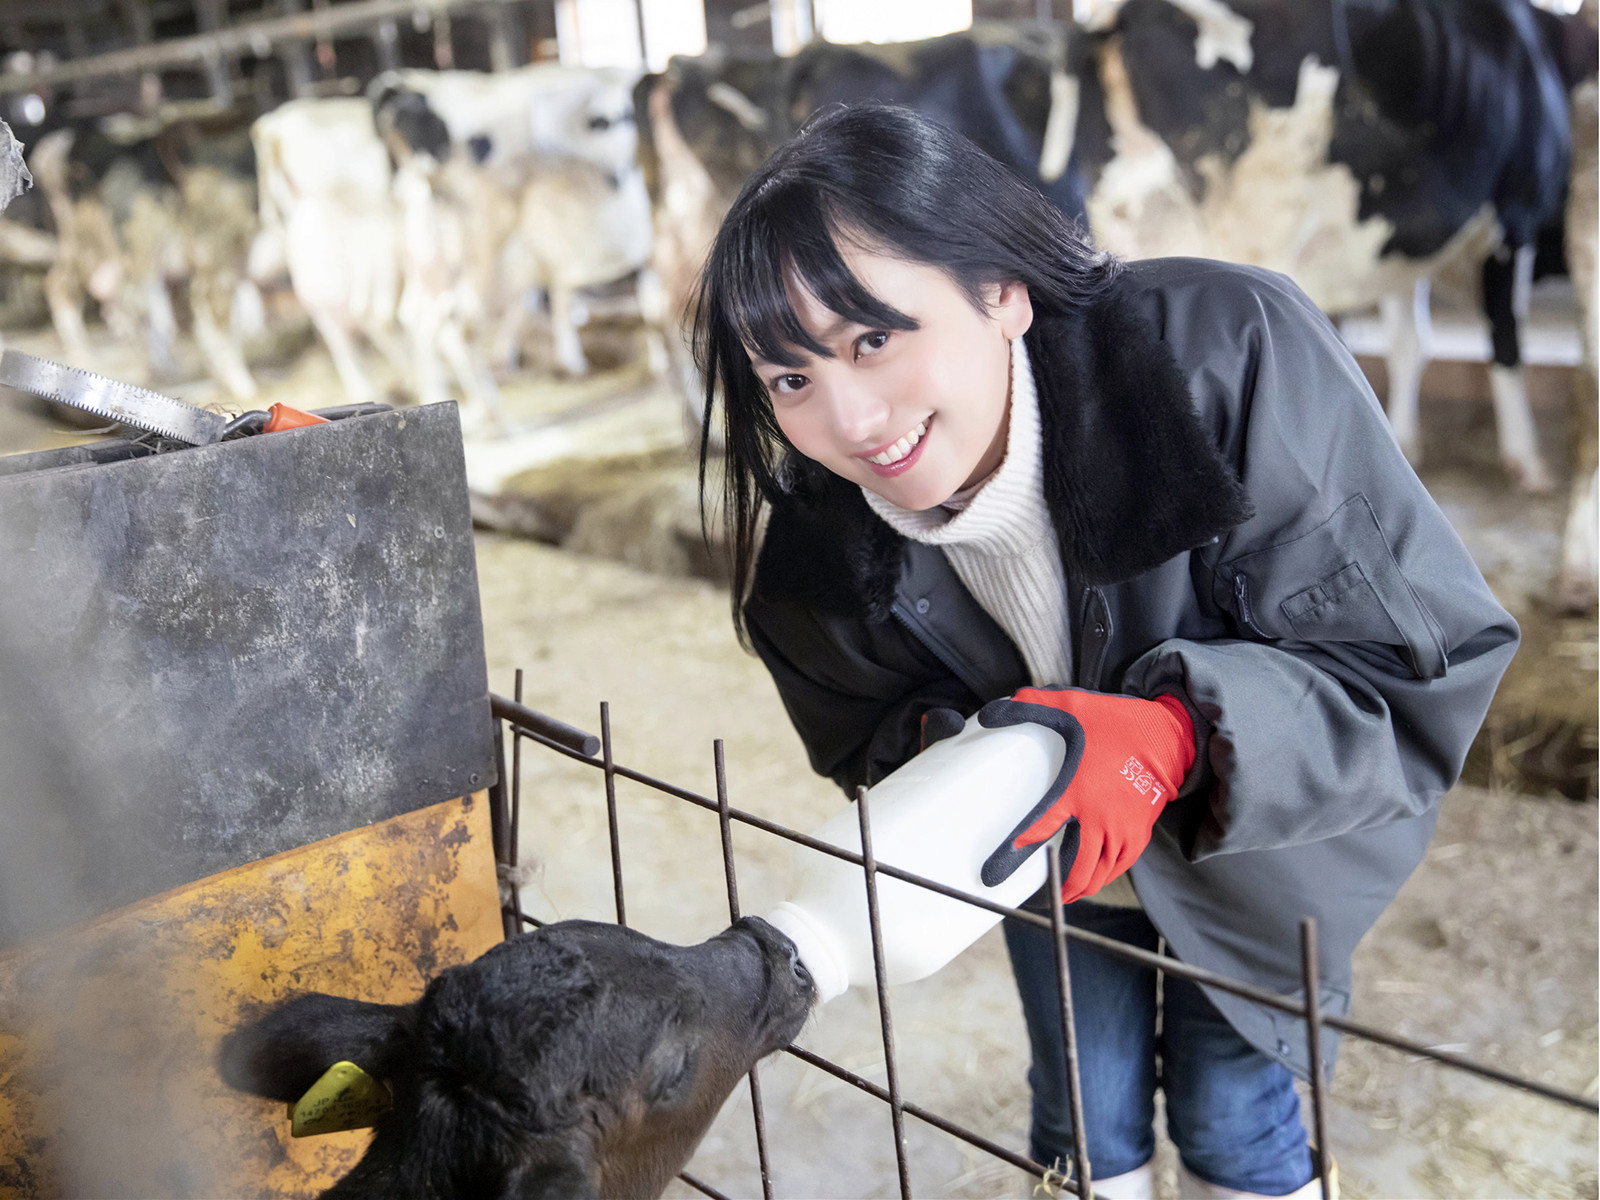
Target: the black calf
(581, 1060)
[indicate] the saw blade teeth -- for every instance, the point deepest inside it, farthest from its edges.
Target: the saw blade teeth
(122, 403)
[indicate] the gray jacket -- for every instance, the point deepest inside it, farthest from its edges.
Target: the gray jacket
(1236, 525)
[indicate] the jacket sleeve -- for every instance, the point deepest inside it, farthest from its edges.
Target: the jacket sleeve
(1367, 645)
(857, 713)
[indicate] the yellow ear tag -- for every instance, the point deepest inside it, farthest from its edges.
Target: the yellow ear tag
(346, 1097)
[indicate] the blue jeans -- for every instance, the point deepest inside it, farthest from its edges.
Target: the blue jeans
(1231, 1110)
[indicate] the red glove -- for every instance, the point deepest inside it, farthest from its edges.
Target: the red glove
(1126, 759)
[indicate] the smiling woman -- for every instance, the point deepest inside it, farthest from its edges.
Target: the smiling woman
(996, 458)
(878, 402)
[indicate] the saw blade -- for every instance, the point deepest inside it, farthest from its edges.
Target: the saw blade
(120, 402)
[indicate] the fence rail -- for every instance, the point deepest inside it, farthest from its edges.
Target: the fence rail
(547, 732)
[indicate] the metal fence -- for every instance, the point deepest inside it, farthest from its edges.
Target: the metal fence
(526, 725)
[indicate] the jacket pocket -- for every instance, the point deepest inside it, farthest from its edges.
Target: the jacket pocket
(1337, 583)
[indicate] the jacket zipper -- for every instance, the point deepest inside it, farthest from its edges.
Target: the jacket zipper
(929, 644)
(1241, 595)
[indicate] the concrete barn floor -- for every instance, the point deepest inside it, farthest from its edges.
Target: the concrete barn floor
(1490, 949)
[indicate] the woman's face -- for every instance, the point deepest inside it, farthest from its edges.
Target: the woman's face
(913, 415)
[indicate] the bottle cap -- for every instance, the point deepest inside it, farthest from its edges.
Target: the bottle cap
(815, 947)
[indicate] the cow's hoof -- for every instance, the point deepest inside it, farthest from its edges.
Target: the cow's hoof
(1575, 594)
(1530, 477)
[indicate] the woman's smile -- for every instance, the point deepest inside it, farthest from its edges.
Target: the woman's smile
(914, 415)
(899, 456)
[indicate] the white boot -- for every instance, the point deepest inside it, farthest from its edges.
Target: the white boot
(1190, 1188)
(1137, 1184)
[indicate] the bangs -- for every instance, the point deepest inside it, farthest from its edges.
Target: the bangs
(785, 233)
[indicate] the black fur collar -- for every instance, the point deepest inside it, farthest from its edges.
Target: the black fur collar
(1131, 476)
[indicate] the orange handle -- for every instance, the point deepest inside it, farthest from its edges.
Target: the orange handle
(283, 417)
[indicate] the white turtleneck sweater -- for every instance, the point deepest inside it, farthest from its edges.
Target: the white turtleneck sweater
(1000, 542)
(998, 537)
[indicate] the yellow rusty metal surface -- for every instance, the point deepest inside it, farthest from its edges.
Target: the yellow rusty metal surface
(108, 1032)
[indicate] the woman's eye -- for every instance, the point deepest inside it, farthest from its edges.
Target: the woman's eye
(871, 343)
(787, 385)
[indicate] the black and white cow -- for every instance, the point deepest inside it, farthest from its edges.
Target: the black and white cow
(1359, 147)
(579, 1060)
(537, 171)
(146, 211)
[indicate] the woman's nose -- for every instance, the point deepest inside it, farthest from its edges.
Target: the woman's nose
(859, 414)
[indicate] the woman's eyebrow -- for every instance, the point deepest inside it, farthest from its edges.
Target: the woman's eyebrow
(826, 335)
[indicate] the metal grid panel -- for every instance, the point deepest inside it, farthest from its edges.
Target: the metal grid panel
(527, 725)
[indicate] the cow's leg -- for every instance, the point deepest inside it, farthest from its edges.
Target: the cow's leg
(421, 324)
(358, 387)
(65, 299)
(652, 297)
(472, 376)
(1407, 328)
(224, 358)
(1578, 582)
(247, 311)
(161, 329)
(1505, 273)
(564, 327)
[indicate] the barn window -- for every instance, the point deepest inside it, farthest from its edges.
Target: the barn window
(606, 33)
(889, 20)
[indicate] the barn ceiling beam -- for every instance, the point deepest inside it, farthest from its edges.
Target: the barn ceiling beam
(254, 38)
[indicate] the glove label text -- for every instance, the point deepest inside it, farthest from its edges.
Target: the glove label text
(1143, 780)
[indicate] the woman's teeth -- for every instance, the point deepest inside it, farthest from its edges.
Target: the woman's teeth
(901, 448)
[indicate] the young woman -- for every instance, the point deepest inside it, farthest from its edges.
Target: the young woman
(1157, 497)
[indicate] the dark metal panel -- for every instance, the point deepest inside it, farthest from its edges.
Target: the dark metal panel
(230, 651)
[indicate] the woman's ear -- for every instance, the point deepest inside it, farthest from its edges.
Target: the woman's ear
(1013, 309)
(283, 1053)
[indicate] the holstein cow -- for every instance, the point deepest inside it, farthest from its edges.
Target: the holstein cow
(582, 1060)
(1356, 147)
(141, 209)
(545, 109)
(328, 217)
(554, 199)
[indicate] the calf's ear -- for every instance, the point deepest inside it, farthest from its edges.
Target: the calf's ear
(280, 1055)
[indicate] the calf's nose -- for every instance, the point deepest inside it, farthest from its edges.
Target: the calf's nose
(780, 949)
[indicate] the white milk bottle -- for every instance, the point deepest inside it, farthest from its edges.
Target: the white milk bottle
(939, 816)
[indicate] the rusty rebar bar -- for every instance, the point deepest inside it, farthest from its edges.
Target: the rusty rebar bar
(1021, 1161)
(515, 837)
(725, 828)
(1069, 1025)
(611, 809)
(546, 729)
(1319, 1093)
(500, 807)
(703, 1188)
(869, 869)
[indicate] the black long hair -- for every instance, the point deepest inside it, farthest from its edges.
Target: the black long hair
(892, 181)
